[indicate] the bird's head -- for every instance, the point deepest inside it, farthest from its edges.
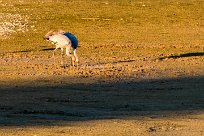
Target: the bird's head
(50, 33)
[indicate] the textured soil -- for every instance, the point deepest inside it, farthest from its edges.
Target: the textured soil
(153, 95)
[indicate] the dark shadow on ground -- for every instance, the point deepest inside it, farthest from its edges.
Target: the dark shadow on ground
(47, 49)
(123, 61)
(52, 101)
(114, 62)
(22, 51)
(183, 55)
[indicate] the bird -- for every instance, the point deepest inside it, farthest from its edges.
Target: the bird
(61, 40)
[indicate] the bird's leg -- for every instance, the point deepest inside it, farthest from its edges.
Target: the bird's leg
(73, 60)
(70, 55)
(54, 55)
(62, 59)
(76, 58)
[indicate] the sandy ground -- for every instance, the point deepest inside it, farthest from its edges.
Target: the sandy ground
(142, 96)
(141, 70)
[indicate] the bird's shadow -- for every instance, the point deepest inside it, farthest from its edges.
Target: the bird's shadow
(47, 49)
(192, 54)
(25, 51)
(21, 51)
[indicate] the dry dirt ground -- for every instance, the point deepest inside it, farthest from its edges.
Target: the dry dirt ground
(140, 96)
(141, 70)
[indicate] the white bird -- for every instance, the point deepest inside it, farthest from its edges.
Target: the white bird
(64, 40)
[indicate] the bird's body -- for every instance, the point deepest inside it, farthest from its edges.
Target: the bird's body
(60, 40)
(64, 40)
(73, 39)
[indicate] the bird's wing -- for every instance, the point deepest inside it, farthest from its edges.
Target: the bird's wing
(59, 39)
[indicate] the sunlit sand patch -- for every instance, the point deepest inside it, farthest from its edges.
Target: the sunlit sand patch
(12, 23)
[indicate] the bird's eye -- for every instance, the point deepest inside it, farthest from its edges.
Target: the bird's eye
(46, 38)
